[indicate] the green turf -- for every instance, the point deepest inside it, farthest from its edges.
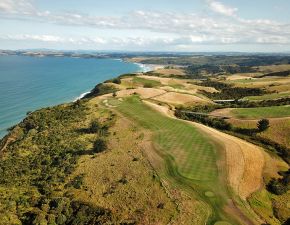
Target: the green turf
(177, 86)
(222, 223)
(146, 82)
(114, 102)
(194, 154)
(268, 96)
(262, 112)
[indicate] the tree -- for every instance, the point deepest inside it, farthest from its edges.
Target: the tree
(263, 125)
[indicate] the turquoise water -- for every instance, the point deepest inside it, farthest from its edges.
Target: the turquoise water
(30, 83)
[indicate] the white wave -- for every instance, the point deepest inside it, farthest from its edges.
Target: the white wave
(81, 96)
(144, 68)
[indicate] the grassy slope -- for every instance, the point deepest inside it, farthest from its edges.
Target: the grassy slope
(53, 162)
(190, 156)
(262, 112)
(122, 180)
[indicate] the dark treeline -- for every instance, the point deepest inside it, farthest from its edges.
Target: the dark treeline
(234, 93)
(276, 74)
(215, 69)
(227, 91)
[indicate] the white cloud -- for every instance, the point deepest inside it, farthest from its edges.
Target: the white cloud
(43, 38)
(220, 8)
(17, 6)
(180, 29)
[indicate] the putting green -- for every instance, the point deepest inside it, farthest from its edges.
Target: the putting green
(209, 194)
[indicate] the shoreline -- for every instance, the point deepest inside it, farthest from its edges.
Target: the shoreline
(142, 68)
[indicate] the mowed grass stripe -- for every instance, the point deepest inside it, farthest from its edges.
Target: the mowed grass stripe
(193, 153)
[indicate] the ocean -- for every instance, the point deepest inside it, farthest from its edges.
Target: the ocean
(29, 83)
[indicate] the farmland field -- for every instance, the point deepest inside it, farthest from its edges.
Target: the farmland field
(262, 112)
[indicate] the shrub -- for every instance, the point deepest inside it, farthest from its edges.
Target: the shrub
(116, 80)
(263, 125)
(100, 145)
(148, 85)
(94, 127)
(101, 89)
(77, 182)
(276, 187)
(281, 185)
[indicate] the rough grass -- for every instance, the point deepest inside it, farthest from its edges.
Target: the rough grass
(173, 71)
(262, 204)
(274, 68)
(262, 112)
(146, 82)
(122, 180)
(279, 130)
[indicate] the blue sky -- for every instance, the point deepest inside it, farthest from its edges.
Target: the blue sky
(159, 25)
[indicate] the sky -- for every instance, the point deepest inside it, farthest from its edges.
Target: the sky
(146, 25)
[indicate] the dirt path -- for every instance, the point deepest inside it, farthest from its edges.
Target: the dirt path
(8, 141)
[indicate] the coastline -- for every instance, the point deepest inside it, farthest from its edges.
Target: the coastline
(141, 68)
(144, 68)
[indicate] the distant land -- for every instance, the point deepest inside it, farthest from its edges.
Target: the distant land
(121, 54)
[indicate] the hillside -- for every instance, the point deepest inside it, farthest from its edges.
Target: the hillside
(151, 148)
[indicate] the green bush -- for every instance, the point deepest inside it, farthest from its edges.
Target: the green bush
(101, 89)
(100, 145)
(95, 126)
(148, 85)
